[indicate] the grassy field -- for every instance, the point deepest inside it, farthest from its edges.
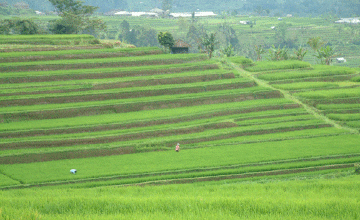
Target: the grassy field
(239, 123)
(324, 198)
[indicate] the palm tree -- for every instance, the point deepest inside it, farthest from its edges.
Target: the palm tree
(325, 54)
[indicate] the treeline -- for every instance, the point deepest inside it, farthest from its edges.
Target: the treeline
(11, 6)
(344, 8)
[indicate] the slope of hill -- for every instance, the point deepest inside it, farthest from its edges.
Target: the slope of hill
(117, 119)
(136, 107)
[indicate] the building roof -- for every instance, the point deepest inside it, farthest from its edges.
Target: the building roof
(197, 14)
(180, 43)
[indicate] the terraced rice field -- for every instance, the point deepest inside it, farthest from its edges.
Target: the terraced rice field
(333, 91)
(116, 115)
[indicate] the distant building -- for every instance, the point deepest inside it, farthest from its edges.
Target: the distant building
(341, 60)
(196, 14)
(244, 22)
(180, 47)
(348, 21)
(123, 13)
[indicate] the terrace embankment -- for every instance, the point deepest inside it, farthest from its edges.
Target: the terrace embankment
(125, 95)
(136, 83)
(129, 107)
(78, 56)
(148, 123)
(157, 133)
(119, 63)
(103, 75)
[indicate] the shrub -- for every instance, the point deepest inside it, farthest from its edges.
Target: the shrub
(357, 168)
(245, 62)
(108, 45)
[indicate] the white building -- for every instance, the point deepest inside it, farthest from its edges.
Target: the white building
(348, 21)
(189, 14)
(122, 13)
(341, 60)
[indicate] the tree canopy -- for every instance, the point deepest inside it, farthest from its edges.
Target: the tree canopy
(209, 42)
(166, 39)
(75, 18)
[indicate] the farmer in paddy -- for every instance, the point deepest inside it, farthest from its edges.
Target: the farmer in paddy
(177, 148)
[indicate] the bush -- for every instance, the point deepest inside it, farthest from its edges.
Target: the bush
(357, 168)
(245, 62)
(108, 45)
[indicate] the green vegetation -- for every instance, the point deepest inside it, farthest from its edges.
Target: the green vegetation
(46, 39)
(316, 71)
(116, 114)
(271, 65)
(306, 85)
(331, 94)
(318, 199)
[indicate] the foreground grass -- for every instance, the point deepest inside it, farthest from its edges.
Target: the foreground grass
(290, 199)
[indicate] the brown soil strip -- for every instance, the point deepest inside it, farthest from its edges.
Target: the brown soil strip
(146, 123)
(41, 157)
(96, 65)
(130, 107)
(52, 48)
(341, 111)
(316, 79)
(315, 102)
(80, 56)
(110, 139)
(105, 75)
(141, 83)
(122, 95)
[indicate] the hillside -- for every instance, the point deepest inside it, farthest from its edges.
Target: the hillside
(116, 114)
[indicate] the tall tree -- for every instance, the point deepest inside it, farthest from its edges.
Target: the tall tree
(166, 39)
(209, 42)
(325, 55)
(75, 17)
(259, 50)
(315, 43)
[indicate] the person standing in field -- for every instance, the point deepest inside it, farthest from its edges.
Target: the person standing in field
(177, 148)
